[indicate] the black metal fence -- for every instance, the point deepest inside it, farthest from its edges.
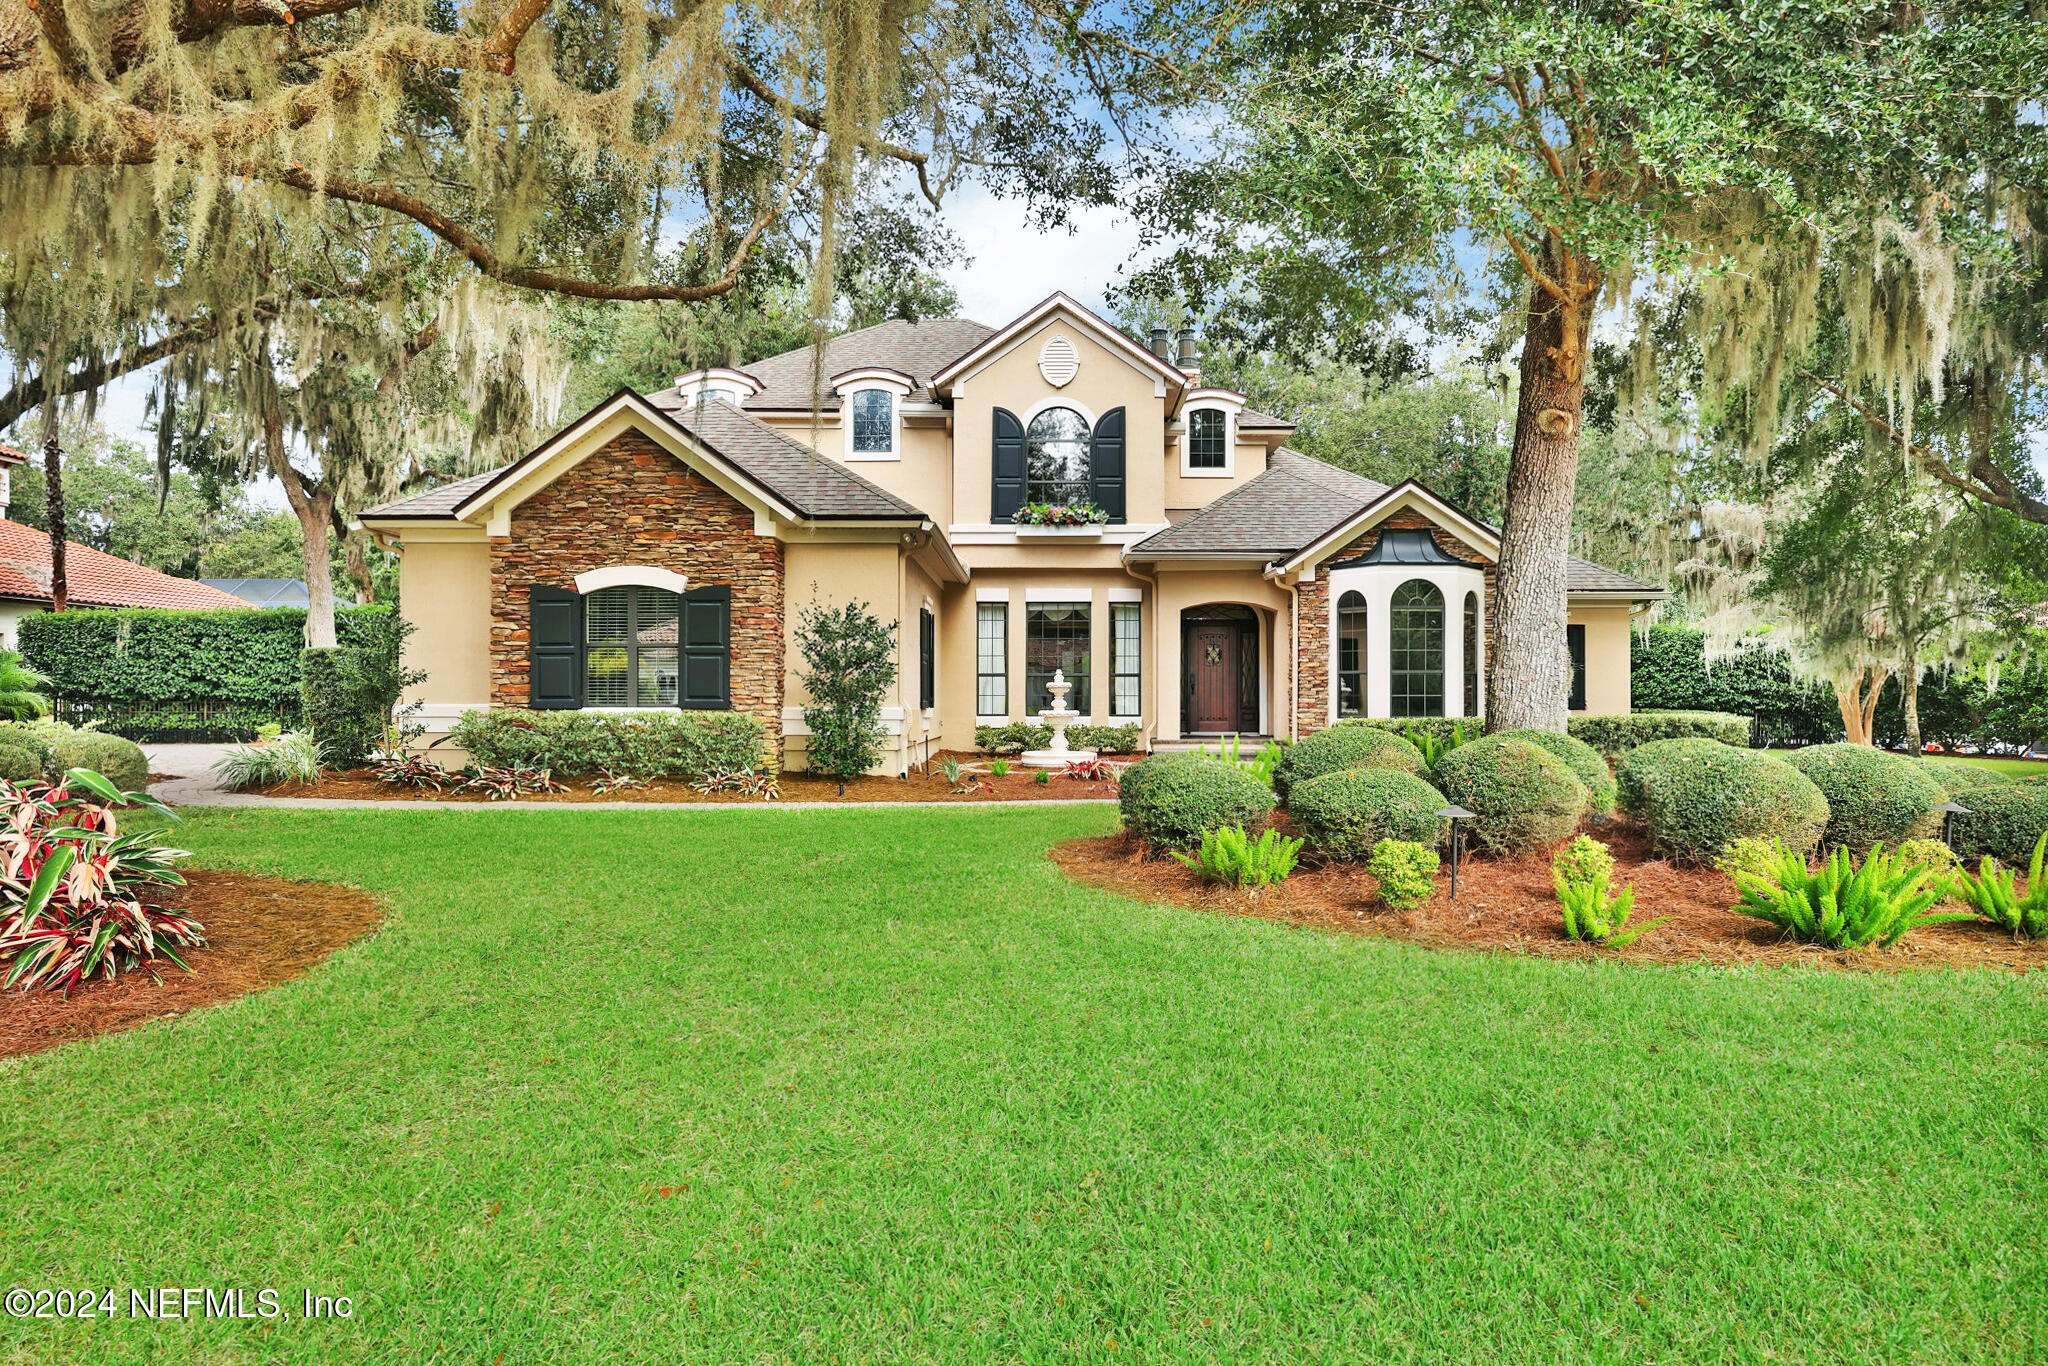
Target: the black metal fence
(192, 721)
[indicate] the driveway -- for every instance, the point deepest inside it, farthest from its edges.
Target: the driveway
(190, 780)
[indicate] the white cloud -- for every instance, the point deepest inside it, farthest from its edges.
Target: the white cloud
(1012, 265)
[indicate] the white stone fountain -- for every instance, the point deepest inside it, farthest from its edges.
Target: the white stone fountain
(1058, 716)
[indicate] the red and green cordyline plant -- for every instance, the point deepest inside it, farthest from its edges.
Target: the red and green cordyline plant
(73, 884)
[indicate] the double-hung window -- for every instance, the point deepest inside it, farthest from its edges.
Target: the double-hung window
(631, 655)
(1125, 650)
(992, 659)
(874, 422)
(1056, 640)
(1207, 432)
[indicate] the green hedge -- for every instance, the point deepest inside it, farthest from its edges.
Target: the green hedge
(2003, 821)
(46, 750)
(1699, 797)
(1524, 797)
(156, 673)
(1670, 670)
(1615, 736)
(1585, 762)
(1411, 728)
(1019, 736)
(1873, 797)
(648, 744)
(1343, 746)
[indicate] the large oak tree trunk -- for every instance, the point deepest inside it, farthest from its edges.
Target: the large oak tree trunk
(1910, 682)
(1529, 683)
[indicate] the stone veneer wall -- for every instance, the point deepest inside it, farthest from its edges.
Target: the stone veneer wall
(1312, 668)
(633, 503)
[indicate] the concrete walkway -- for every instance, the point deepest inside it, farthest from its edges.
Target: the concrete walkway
(189, 781)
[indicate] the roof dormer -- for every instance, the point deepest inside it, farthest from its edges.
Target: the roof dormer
(717, 382)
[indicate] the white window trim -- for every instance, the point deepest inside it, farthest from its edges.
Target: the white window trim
(858, 381)
(631, 575)
(991, 594)
(1376, 583)
(1187, 442)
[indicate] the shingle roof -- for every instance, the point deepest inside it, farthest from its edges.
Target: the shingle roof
(792, 379)
(263, 592)
(93, 578)
(1298, 501)
(814, 485)
(1294, 503)
(1249, 420)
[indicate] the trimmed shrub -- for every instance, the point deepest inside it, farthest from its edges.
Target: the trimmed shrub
(1617, 735)
(2003, 822)
(21, 764)
(1015, 738)
(1102, 739)
(1581, 863)
(1873, 797)
(121, 762)
(1583, 760)
(1954, 777)
(1935, 856)
(1414, 728)
(31, 739)
(1524, 797)
(1698, 802)
(1750, 857)
(1344, 745)
(1632, 776)
(1343, 815)
(1405, 871)
(688, 744)
(1170, 799)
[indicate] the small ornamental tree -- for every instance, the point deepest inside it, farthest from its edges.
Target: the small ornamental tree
(849, 662)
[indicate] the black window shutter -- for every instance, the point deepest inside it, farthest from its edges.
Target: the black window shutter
(707, 649)
(554, 638)
(927, 658)
(1007, 467)
(1107, 464)
(1575, 641)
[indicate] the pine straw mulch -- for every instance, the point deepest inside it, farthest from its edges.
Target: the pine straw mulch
(260, 931)
(1508, 905)
(1018, 785)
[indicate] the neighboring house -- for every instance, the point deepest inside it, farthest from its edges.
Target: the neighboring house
(656, 552)
(264, 592)
(92, 578)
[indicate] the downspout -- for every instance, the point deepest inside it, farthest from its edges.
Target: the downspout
(1273, 574)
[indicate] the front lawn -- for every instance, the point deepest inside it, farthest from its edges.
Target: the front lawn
(760, 1085)
(2019, 768)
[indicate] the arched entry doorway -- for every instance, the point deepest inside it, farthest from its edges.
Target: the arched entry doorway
(1219, 669)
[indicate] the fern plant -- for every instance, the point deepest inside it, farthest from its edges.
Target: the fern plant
(1266, 762)
(1593, 917)
(1991, 892)
(1436, 746)
(1229, 855)
(1843, 905)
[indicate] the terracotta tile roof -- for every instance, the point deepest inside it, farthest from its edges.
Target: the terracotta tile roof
(93, 577)
(11, 456)
(790, 380)
(1298, 501)
(815, 485)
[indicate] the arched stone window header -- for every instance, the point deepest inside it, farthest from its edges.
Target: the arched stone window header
(627, 575)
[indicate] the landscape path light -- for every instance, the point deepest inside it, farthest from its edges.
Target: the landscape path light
(1949, 810)
(1454, 814)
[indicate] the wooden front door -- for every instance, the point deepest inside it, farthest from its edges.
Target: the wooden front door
(1213, 676)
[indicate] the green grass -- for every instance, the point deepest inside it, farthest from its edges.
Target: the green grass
(747, 1086)
(2019, 768)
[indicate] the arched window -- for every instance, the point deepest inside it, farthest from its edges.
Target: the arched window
(1471, 654)
(1415, 651)
(874, 422)
(1351, 654)
(1056, 458)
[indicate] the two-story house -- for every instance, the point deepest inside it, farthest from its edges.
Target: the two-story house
(656, 552)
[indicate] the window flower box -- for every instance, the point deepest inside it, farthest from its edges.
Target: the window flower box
(1065, 515)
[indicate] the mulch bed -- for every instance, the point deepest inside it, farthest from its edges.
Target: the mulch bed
(260, 931)
(1018, 785)
(1509, 905)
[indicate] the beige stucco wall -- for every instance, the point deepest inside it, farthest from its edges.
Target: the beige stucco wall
(1607, 655)
(11, 614)
(1105, 381)
(445, 587)
(1185, 493)
(835, 572)
(922, 475)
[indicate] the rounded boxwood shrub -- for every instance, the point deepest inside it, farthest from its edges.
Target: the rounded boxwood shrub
(1700, 802)
(1955, 776)
(1171, 799)
(1873, 797)
(1343, 815)
(1525, 797)
(1638, 767)
(1345, 745)
(20, 764)
(2003, 822)
(1581, 758)
(121, 762)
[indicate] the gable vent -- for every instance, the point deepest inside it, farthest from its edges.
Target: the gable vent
(1059, 362)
